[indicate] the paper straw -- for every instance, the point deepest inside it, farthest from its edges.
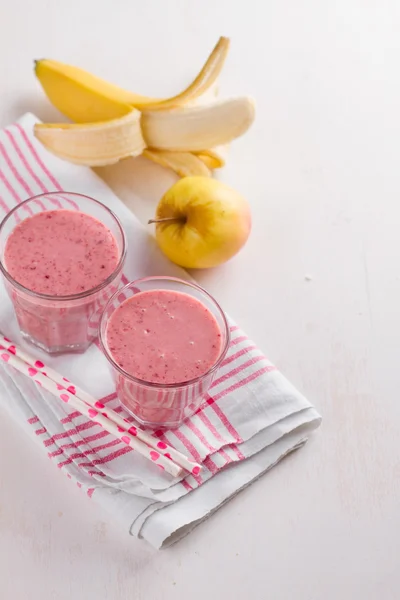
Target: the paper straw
(168, 451)
(127, 437)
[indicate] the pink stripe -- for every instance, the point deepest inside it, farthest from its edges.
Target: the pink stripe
(120, 409)
(70, 417)
(37, 158)
(14, 194)
(25, 162)
(18, 176)
(69, 460)
(233, 328)
(40, 431)
(57, 202)
(238, 354)
(60, 436)
(224, 419)
(186, 485)
(90, 473)
(203, 417)
(239, 339)
(237, 452)
(106, 459)
(241, 383)
(211, 466)
(52, 440)
(237, 370)
(86, 425)
(3, 205)
(90, 492)
(124, 279)
(189, 423)
(224, 455)
(108, 398)
(188, 444)
(14, 170)
(55, 453)
(27, 166)
(104, 446)
(33, 420)
(86, 440)
(45, 170)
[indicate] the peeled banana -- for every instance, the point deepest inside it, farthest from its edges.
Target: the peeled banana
(197, 127)
(188, 133)
(183, 130)
(94, 144)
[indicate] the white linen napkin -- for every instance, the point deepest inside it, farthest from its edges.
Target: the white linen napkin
(253, 418)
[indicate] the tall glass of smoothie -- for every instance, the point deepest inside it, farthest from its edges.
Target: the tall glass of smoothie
(61, 256)
(165, 339)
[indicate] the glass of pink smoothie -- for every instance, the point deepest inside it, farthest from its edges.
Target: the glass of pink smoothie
(165, 339)
(61, 256)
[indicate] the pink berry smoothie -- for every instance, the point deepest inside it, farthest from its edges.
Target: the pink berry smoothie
(60, 253)
(164, 336)
(169, 341)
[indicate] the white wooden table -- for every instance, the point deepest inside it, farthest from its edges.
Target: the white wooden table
(318, 287)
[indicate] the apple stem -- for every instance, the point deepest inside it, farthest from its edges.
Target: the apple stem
(167, 220)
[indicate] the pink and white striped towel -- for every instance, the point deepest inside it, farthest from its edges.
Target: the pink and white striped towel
(253, 416)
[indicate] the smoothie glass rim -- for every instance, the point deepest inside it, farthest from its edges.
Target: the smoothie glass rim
(144, 382)
(69, 297)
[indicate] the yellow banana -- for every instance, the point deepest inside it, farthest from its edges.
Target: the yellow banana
(188, 133)
(85, 98)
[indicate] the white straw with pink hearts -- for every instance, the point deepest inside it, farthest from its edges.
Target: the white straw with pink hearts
(161, 447)
(126, 434)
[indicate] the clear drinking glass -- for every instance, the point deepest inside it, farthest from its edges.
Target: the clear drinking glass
(59, 324)
(154, 404)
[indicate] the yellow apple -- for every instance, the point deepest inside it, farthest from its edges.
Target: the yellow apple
(201, 222)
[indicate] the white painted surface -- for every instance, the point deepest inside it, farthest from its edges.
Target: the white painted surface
(318, 287)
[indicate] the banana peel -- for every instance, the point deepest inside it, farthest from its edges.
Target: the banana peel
(214, 158)
(183, 163)
(85, 98)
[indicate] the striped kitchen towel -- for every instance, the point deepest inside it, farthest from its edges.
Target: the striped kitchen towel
(251, 419)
